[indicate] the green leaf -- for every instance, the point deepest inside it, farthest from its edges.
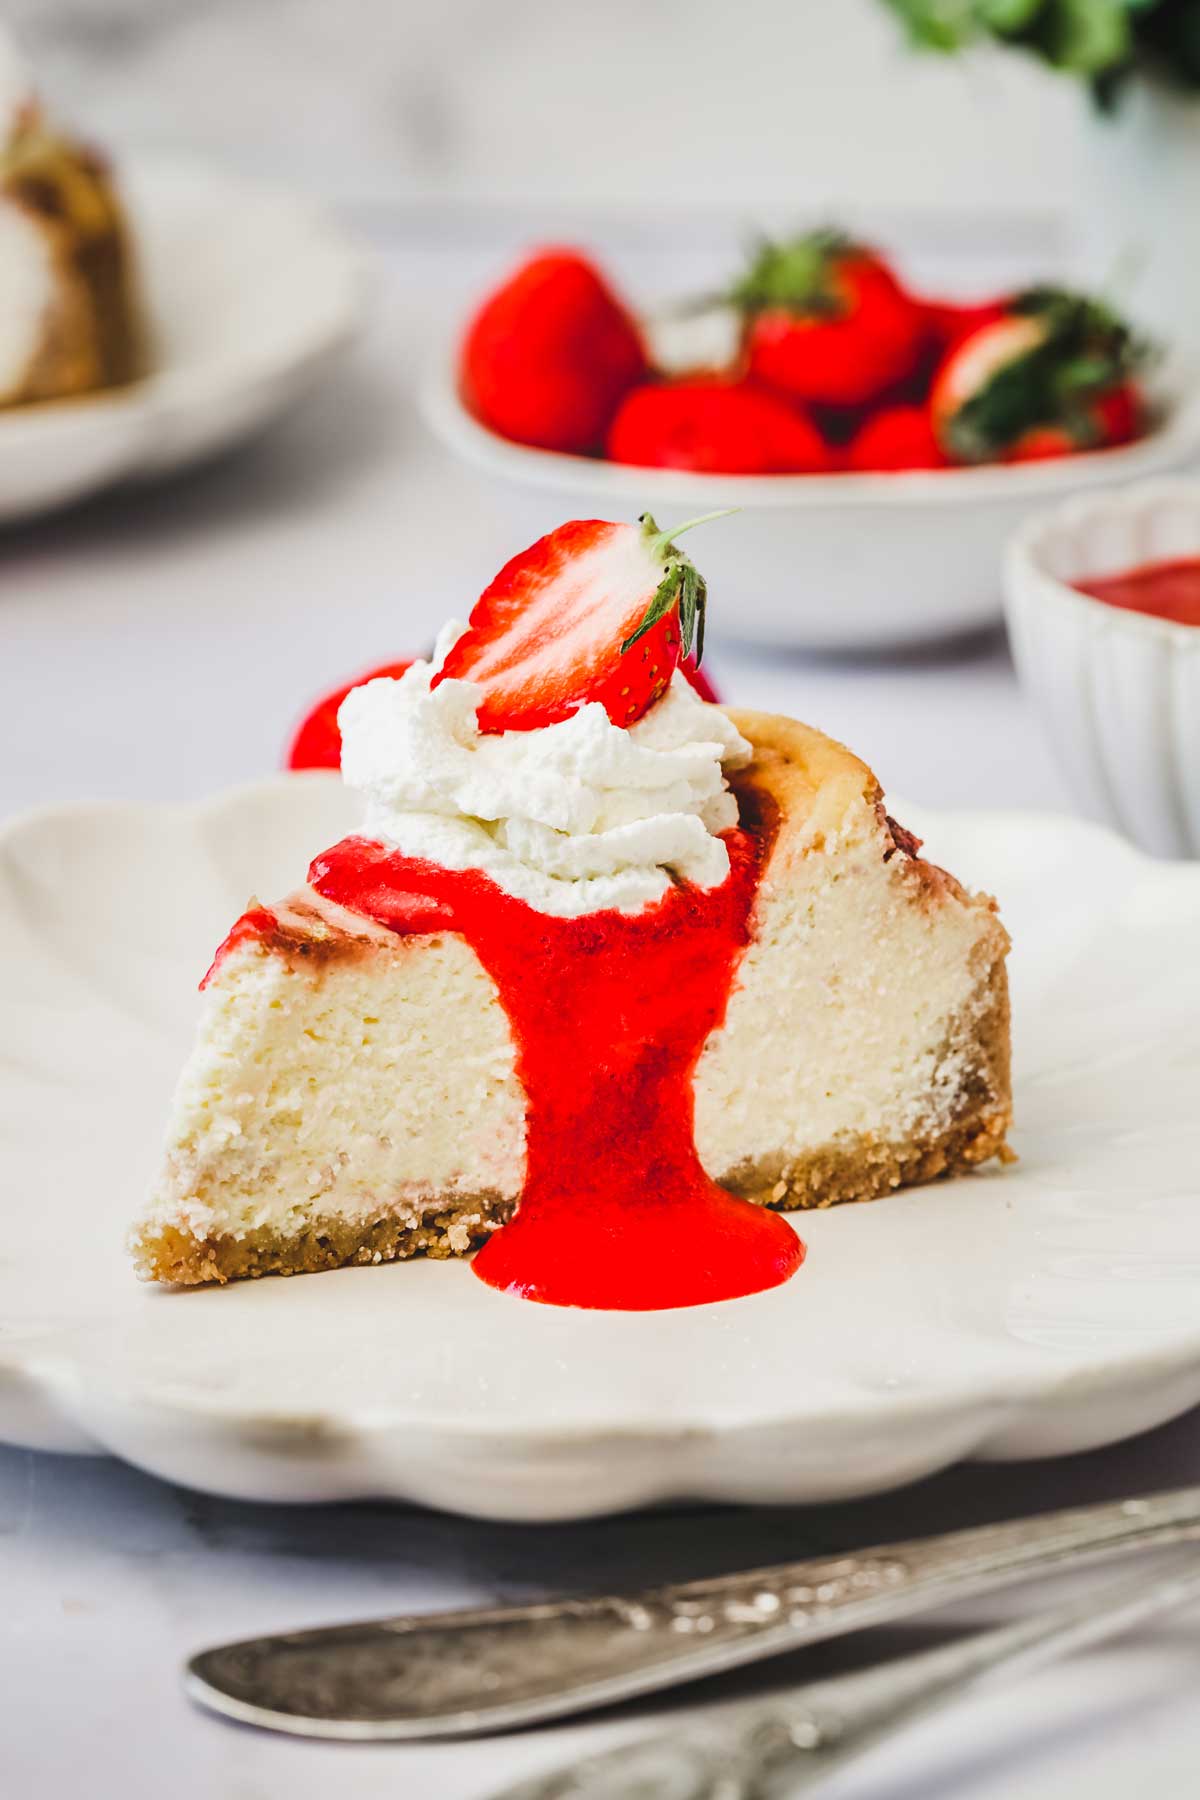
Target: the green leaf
(797, 275)
(1095, 39)
(693, 595)
(1086, 374)
(1007, 17)
(1086, 37)
(944, 25)
(665, 596)
(682, 583)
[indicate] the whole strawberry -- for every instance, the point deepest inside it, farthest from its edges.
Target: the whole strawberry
(896, 437)
(715, 427)
(549, 355)
(827, 322)
(594, 611)
(1053, 376)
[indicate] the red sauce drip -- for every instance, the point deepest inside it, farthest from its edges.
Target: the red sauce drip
(609, 1014)
(1165, 590)
(255, 923)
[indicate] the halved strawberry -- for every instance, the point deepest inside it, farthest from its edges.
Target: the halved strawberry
(1043, 443)
(593, 611)
(995, 350)
(318, 742)
(1047, 363)
(947, 322)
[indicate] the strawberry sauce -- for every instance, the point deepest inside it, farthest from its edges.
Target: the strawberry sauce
(1165, 590)
(255, 923)
(609, 1014)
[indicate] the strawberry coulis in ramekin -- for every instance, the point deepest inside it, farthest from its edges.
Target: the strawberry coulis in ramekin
(1169, 589)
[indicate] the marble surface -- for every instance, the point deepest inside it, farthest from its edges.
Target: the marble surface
(111, 1579)
(783, 105)
(158, 645)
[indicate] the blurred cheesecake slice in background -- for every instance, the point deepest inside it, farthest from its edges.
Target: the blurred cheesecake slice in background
(69, 317)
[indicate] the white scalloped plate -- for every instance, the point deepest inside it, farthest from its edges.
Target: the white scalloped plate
(250, 294)
(1044, 1308)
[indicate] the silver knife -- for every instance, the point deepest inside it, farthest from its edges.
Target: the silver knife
(460, 1674)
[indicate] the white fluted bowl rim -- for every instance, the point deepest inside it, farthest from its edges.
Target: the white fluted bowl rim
(1141, 503)
(1119, 691)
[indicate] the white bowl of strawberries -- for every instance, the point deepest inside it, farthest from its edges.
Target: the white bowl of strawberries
(880, 447)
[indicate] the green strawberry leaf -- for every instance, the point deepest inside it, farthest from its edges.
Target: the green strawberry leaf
(682, 584)
(796, 276)
(1085, 37)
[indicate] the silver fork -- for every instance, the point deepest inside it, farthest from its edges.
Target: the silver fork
(460, 1673)
(789, 1744)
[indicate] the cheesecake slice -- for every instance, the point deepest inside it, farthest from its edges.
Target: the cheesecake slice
(354, 1095)
(69, 315)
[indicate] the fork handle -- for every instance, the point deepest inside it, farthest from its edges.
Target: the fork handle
(766, 1752)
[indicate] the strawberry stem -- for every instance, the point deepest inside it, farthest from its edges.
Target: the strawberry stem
(659, 542)
(682, 585)
(795, 276)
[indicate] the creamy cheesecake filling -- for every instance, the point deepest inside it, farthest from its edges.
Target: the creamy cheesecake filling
(873, 1028)
(343, 1070)
(378, 1077)
(579, 817)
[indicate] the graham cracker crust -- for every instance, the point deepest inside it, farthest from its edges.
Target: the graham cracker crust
(866, 1168)
(862, 1168)
(165, 1253)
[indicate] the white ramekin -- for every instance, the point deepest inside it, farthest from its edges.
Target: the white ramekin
(1118, 692)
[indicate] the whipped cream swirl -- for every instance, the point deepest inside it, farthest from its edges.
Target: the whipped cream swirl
(571, 818)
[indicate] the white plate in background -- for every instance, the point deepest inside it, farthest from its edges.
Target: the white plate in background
(249, 294)
(1043, 1308)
